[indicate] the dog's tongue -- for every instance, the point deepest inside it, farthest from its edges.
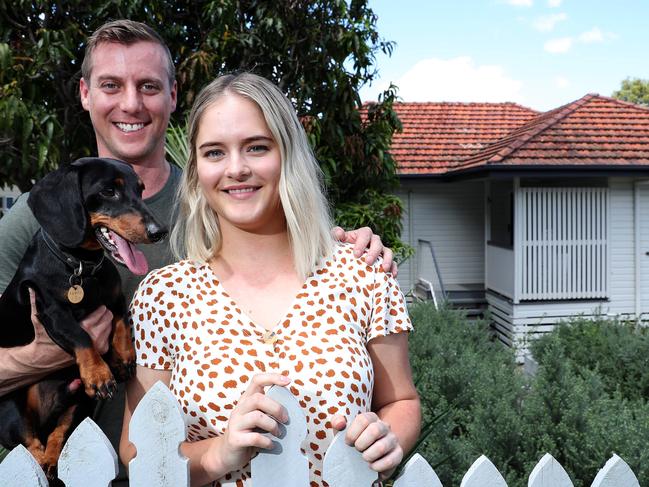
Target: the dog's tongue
(132, 257)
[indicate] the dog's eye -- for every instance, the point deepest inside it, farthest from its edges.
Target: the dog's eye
(108, 193)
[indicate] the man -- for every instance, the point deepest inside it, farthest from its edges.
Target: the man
(128, 87)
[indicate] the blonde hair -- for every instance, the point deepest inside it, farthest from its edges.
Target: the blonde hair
(125, 32)
(196, 233)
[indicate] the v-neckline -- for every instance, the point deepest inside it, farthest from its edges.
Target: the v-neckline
(216, 281)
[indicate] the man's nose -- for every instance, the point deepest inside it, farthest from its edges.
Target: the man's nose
(131, 99)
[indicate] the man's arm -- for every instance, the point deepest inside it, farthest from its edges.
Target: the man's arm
(27, 364)
(22, 366)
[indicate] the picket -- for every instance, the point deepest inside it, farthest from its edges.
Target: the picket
(294, 471)
(549, 473)
(20, 469)
(483, 473)
(417, 473)
(157, 429)
(616, 473)
(88, 458)
(344, 466)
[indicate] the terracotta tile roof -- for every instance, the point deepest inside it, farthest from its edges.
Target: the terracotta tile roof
(592, 131)
(436, 137)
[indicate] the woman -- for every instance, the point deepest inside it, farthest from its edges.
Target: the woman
(267, 297)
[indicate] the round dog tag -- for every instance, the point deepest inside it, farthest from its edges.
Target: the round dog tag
(75, 294)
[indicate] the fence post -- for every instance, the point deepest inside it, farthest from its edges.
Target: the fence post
(19, 469)
(549, 473)
(616, 473)
(417, 473)
(284, 465)
(88, 458)
(157, 429)
(344, 466)
(483, 473)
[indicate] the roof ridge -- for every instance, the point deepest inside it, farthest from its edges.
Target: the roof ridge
(467, 104)
(553, 116)
(629, 104)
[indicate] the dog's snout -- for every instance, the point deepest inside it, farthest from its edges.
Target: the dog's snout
(155, 232)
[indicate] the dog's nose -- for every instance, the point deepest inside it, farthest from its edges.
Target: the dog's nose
(155, 232)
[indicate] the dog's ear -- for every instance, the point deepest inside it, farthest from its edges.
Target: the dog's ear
(57, 204)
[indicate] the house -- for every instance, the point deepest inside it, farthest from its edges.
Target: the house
(7, 197)
(542, 216)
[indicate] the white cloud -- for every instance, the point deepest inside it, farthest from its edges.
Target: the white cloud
(554, 3)
(558, 46)
(593, 35)
(561, 82)
(520, 3)
(458, 79)
(546, 23)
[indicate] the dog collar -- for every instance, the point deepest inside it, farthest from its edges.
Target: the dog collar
(80, 266)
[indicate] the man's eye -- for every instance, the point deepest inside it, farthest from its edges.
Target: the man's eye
(150, 87)
(109, 85)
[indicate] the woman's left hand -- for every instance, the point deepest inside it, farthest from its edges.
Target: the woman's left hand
(374, 438)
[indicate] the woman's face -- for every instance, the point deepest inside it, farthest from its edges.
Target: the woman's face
(239, 165)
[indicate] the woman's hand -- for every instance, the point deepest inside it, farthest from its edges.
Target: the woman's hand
(254, 412)
(374, 438)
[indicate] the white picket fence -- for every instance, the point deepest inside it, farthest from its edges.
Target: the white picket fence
(157, 428)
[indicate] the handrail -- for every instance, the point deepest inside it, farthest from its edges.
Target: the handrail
(438, 273)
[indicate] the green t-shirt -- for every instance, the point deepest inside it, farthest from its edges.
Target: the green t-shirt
(18, 226)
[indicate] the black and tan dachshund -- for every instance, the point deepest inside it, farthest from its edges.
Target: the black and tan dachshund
(86, 208)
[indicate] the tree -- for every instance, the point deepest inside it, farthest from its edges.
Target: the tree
(634, 90)
(320, 52)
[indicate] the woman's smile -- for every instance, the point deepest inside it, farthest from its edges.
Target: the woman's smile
(239, 165)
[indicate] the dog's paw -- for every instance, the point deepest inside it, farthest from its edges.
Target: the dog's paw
(122, 369)
(99, 383)
(51, 472)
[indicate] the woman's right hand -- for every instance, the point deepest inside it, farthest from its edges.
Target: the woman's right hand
(255, 413)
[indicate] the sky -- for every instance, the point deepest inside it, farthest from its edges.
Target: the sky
(539, 53)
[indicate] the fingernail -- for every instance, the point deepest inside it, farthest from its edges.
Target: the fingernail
(285, 379)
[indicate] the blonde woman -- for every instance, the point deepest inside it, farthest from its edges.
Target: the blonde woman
(265, 296)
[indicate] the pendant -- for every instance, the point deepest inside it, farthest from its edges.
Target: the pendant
(75, 294)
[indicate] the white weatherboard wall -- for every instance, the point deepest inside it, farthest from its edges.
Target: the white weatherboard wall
(451, 216)
(523, 321)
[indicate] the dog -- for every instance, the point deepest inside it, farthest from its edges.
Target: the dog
(85, 209)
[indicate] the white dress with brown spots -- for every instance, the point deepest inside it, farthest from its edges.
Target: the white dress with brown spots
(185, 322)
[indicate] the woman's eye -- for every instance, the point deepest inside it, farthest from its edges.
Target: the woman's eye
(258, 148)
(213, 154)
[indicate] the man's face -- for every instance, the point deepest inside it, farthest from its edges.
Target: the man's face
(129, 99)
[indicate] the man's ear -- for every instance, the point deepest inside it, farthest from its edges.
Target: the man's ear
(57, 204)
(174, 95)
(84, 88)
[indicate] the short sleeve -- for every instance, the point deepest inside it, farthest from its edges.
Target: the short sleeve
(153, 347)
(17, 228)
(389, 311)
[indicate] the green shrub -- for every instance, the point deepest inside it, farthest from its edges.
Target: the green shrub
(617, 351)
(467, 382)
(581, 408)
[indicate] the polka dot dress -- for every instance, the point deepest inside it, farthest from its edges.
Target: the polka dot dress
(185, 322)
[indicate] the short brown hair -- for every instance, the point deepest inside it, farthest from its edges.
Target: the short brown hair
(125, 32)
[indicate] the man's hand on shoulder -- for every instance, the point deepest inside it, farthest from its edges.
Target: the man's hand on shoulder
(365, 241)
